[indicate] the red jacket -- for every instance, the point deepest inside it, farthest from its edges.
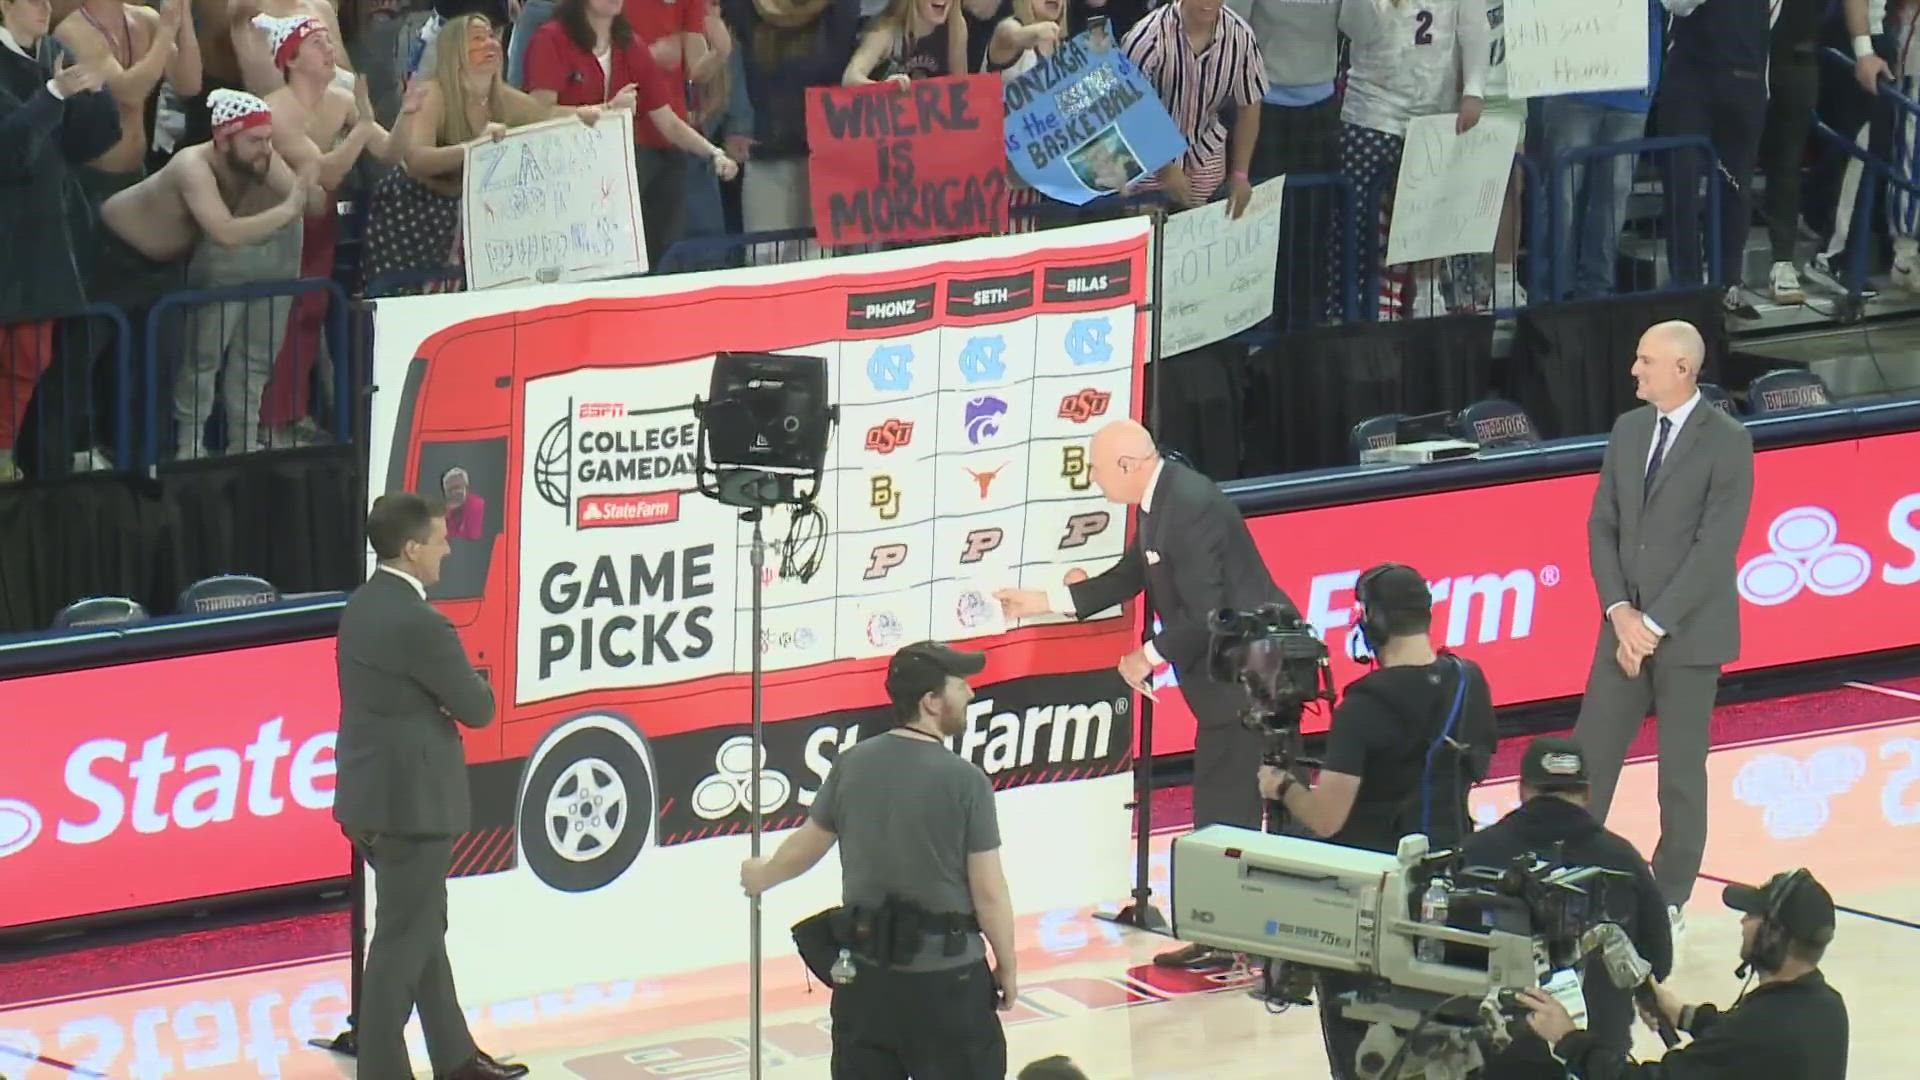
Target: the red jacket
(555, 63)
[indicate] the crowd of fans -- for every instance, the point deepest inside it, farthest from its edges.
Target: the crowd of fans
(205, 144)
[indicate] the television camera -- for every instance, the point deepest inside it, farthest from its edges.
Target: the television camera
(1439, 997)
(1276, 655)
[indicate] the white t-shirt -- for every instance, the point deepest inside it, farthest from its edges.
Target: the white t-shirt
(1412, 58)
(1496, 49)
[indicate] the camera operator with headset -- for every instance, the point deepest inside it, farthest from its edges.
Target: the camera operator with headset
(1406, 743)
(1790, 1026)
(921, 881)
(1553, 823)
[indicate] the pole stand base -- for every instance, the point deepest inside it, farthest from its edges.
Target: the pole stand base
(1141, 915)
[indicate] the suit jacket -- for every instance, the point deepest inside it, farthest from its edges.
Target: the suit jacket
(1192, 555)
(404, 684)
(1672, 554)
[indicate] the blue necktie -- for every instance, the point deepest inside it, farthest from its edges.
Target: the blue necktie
(1659, 453)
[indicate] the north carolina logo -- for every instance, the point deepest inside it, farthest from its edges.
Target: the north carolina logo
(891, 368)
(980, 359)
(1087, 341)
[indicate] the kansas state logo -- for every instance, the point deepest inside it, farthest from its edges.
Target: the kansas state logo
(983, 418)
(1087, 341)
(891, 368)
(980, 360)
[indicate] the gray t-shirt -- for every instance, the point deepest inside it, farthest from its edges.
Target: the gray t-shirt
(908, 812)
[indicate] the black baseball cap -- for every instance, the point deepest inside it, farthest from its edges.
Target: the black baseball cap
(1397, 589)
(1805, 909)
(923, 667)
(1554, 763)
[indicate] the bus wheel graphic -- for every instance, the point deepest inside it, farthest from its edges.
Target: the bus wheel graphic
(588, 805)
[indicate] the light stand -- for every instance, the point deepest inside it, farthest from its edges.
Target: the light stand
(347, 1043)
(1141, 914)
(763, 428)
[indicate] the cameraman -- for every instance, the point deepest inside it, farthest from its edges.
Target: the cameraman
(920, 880)
(1407, 742)
(1553, 823)
(1791, 1026)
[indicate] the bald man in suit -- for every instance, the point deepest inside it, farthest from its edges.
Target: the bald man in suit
(1675, 488)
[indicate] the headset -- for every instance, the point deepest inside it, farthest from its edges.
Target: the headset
(1374, 630)
(1771, 939)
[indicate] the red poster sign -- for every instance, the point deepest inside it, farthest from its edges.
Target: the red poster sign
(898, 161)
(1831, 550)
(141, 784)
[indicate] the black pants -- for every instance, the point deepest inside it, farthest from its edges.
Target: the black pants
(1226, 756)
(1297, 141)
(1341, 1036)
(407, 959)
(1728, 107)
(1794, 87)
(663, 196)
(934, 1025)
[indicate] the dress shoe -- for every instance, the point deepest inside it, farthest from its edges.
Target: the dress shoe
(1194, 958)
(481, 1066)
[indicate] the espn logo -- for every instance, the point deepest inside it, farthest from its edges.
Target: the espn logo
(1085, 405)
(595, 410)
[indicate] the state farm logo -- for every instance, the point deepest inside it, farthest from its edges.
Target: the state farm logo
(1085, 405)
(160, 789)
(1503, 602)
(602, 511)
(889, 435)
(1805, 553)
(19, 826)
(1796, 797)
(730, 788)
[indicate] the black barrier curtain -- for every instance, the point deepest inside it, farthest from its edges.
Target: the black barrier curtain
(292, 518)
(1569, 365)
(1304, 393)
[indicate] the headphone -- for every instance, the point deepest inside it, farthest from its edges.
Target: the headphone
(1771, 939)
(1373, 626)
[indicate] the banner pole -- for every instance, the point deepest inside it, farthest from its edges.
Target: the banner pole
(1141, 913)
(757, 561)
(347, 1043)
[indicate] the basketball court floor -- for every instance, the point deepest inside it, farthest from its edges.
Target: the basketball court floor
(1829, 781)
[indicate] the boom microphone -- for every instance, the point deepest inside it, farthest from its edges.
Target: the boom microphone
(1628, 970)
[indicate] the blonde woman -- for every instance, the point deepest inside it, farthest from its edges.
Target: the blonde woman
(1034, 30)
(912, 39)
(415, 220)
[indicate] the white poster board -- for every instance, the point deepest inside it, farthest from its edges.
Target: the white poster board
(558, 201)
(1575, 46)
(1451, 187)
(1216, 273)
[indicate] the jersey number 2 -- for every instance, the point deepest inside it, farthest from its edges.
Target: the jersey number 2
(1423, 28)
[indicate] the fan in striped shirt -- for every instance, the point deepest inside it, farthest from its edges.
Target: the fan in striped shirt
(1203, 60)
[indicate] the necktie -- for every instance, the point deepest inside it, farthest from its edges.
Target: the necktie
(1659, 453)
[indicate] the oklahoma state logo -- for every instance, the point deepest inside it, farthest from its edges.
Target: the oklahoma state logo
(1085, 405)
(889, 435)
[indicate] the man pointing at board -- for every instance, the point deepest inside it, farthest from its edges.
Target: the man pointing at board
(1192, 555)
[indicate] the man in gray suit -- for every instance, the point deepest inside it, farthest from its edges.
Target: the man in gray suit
(401, 790)
(1675, 487)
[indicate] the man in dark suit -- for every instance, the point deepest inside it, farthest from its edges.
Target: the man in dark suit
(1675, 487)
(1192, 555)
(401, 789)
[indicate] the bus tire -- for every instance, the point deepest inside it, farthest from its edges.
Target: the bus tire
(586, 810)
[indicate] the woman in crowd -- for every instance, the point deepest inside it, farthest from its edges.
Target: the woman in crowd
(913, 39)
(1409, 58)
(414, 223)
(785, 47)
(587, 56)
(52, 119)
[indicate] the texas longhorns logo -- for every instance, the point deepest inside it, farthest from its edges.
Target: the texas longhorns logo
(985, 479)
(1795, 797)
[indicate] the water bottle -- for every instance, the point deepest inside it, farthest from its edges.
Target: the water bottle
(842, 969)
(1433, 911)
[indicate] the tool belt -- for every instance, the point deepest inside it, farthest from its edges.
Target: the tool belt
(891, 934)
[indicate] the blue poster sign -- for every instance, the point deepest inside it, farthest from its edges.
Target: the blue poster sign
(1085, 122)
